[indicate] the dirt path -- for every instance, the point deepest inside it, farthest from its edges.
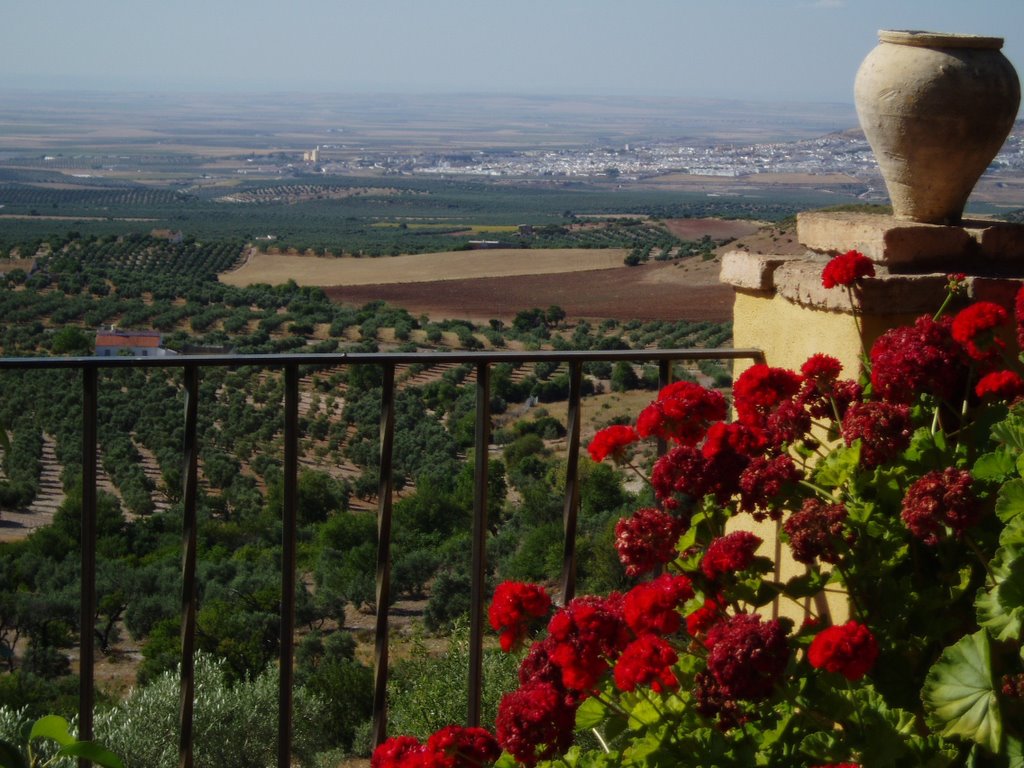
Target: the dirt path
(17, 524)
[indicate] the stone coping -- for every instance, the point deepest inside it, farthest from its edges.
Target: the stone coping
(798, 279)
(908, 245)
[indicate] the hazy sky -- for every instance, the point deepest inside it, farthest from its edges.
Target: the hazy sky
(748, 49)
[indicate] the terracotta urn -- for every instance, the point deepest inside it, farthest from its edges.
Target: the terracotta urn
(935, 108)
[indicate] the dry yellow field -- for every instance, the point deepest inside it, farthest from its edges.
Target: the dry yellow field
(262, 267)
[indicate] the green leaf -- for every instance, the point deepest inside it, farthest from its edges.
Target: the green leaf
(1001, 607)
(591, 714)
(1010, 431)
(10, 756)
(1010, 503)
(643, 714)
(839, 466)
(52, 727)
(821, 746)
(92, 751)
(1013, 534)
(997, 465)
(959, 696)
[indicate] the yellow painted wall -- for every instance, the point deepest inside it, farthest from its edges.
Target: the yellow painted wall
(789, 334)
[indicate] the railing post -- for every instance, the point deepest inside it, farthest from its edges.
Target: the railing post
(190, 478)
(87, 602)
(570, 512)
(289, 514)
(478, 574)
(385, 486)
(664, 379)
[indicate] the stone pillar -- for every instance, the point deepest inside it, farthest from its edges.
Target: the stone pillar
(782, 308)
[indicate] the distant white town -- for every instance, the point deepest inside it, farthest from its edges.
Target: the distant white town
(837, 153)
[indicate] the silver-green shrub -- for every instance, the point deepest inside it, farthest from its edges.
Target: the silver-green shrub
(235, 725)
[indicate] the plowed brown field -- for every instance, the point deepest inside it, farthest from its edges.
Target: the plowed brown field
(658, 291)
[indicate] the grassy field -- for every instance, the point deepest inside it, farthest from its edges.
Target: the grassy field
(263, 267)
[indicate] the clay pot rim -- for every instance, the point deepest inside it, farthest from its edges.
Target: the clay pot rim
(925, 39)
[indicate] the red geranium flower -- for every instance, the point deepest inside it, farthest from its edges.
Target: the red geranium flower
(974, 327)
(705, 617)
(747, 656)
(923, 357)
(586, 635)
(883, 429)
(846, 269)
(999, 385)
(397, 752)
(535, 722)
(612, 441)
(849, 649)
(457, 747)
(647, 660)
(729, 554)
(653, 606)
(685, 470)
(939, 499)
(759, 391)
(682, 412)
(647, 539)
(764, 481)
(816, 530)
(514, 605)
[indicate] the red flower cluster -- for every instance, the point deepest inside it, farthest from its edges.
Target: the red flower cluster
(763, 482)
(747, 656)
(883, 429)
(647, 660)
(974, 327)
(846, 269)
(729, 554)
(816, 531)
(647, 539)
(760, 389)
(535, 722)
(999, 385)
(685, 470)
(822, 392)
(849, 650)
(682, 412)
(821, 369)
(612, 441)
(940, 499)
(705, 617)
(921, 358)
(585, 637)
(515, 604)
(451, 747)
(653, 606)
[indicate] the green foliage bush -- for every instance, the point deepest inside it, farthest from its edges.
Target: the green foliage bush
(427, 691)
(235, 723)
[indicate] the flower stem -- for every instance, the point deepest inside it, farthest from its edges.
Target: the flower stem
(860, 330)
(600, 740)
(973, 546)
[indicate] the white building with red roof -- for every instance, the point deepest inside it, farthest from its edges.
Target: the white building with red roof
(113, 341)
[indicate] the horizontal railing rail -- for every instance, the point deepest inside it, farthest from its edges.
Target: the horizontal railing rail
(290, 364)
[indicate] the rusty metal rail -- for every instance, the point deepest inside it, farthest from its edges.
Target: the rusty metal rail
(192, 365)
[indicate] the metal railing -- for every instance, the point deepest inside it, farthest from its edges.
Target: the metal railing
(290, 364)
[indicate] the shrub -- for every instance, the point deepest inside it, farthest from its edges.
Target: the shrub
(235, 725)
